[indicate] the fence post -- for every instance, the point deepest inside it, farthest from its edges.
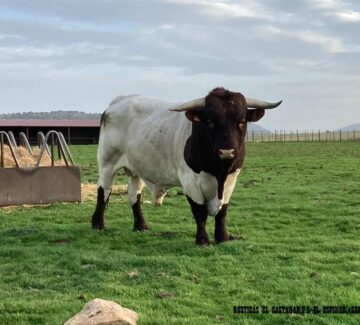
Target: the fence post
(319, 135)
(312, 135)
(354, 137)
(340, 135)
(2, 150)
(297, 135)
(262, 140)
(252, 134)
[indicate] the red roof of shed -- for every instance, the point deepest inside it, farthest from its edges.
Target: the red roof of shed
(49, 123)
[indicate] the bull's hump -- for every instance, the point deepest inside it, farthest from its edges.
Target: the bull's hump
(120, 98)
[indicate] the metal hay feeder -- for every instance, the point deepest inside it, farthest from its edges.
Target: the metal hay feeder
(39, 184)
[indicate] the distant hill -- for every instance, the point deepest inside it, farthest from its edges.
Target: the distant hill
(257, 128)
(351, 127)
(56, 115)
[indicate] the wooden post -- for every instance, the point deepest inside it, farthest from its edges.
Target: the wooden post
(340, 135)
(2, 150)
(319, 136)
(68, 135)
(252, 134)
(297, 135)
(354, 135)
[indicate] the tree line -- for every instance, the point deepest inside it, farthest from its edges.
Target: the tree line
(57, 115)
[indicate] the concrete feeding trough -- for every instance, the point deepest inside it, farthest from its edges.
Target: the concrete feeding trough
(41, 180)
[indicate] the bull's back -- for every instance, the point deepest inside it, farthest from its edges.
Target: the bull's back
(142, 135)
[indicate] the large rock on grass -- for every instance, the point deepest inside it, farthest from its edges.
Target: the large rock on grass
(99, 311)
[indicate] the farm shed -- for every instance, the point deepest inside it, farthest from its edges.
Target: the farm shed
(81, 131)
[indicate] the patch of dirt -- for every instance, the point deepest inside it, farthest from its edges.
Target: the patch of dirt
(166, 294)
(166, 234)
(89, 191)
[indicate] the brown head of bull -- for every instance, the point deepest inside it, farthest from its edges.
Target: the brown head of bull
(220, 122)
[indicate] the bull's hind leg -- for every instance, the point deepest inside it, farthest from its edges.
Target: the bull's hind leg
(106, 178)
(136, 184)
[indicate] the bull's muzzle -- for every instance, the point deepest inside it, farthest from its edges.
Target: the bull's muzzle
(226, 154)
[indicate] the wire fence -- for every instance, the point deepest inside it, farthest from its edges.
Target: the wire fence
(302, 136)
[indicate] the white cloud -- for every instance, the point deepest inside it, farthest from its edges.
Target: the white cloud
(226, 9)
(347, 16)
(339, 9)
(330, 43)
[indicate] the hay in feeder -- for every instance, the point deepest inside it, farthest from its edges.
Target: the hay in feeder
(25, 159)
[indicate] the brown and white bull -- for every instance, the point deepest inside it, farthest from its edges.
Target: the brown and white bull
(202, 151)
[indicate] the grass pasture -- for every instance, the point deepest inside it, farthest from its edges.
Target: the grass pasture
(296, 209)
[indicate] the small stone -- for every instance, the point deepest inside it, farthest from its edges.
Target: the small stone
(133, 274)
(161, 274)
(87, 266)
(315, 274)
(99, 311)
(194, 278)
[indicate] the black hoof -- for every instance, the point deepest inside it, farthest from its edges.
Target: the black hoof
(141, 228)
(98, 226)
(202, 241)
(225, 239)
(97, 223)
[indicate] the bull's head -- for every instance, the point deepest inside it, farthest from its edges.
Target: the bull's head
(224, 116)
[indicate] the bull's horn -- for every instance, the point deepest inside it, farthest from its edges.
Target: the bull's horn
(197, 104)
(254, 103)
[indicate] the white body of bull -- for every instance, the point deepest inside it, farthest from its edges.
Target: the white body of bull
(141, 135)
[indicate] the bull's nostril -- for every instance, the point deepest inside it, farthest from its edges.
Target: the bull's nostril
(226, 153)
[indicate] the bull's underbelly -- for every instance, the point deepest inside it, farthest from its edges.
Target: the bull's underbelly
(160, 175)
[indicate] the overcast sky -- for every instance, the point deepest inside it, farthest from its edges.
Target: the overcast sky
(80, 54)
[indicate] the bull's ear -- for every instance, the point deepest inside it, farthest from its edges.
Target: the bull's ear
(254, 115)
(195, 116)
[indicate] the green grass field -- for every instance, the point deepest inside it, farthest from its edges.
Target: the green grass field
(296, 209)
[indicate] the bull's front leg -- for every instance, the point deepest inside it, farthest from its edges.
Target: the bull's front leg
(200, 214)
(221, 233)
